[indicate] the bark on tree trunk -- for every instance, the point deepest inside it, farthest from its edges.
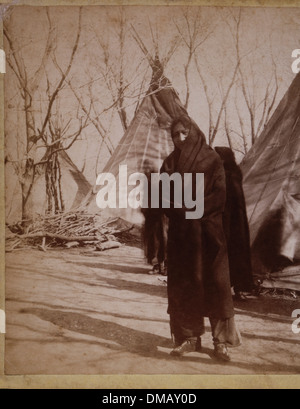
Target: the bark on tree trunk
(55, 202)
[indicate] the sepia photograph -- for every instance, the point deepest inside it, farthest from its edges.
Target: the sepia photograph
(152, 190)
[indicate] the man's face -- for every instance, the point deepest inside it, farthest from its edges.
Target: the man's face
(180, 133)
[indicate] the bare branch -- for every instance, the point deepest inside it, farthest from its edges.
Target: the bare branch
(224, 102)
(75, 137)
(15, 64)
(242, 127)
(93, 121)
(194, 29)
(142, 46)
(46, 54)
(101, 144)
(173, 47)
(64, 75)
(227, 129)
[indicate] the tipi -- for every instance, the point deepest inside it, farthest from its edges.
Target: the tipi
(271, 172)
(147, 141)
(74, 185)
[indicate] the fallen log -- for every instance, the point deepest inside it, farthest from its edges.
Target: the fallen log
(126, 230)
(13, 246)
(111, 244)
(57, 236)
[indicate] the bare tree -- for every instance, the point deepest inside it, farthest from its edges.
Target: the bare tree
(259, 91)
(123, 82)
(118, 73)
(244, 89)
(59, 138)
(217, 105)
(43, 135)
(193, 32)
(259, 105)
(94, 114)
(114, 74)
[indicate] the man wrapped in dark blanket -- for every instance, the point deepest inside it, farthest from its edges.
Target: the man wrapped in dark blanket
(198, 270)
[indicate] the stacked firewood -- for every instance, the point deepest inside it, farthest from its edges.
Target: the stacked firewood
(71, 229)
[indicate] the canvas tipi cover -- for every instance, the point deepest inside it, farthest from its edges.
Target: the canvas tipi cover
(147, 141)
(271, 172)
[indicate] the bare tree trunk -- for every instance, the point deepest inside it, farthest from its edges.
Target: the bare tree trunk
(27, 181)
(55, 202)
(28, 83)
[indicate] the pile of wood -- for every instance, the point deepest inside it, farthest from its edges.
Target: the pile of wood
(70, 229)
